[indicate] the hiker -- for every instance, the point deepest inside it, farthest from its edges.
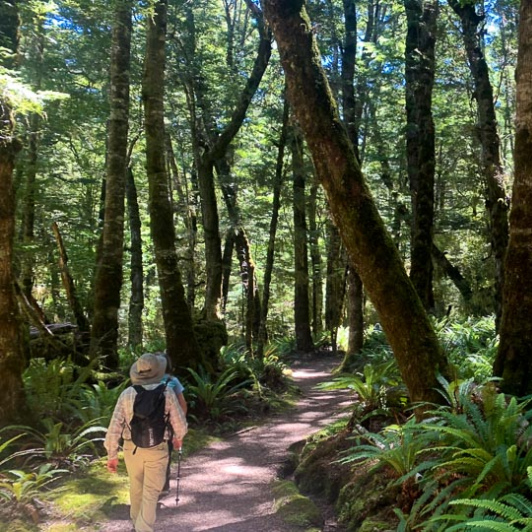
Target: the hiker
(145, 463)
(174, 384)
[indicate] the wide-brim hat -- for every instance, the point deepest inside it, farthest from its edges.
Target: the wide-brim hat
(148, 369)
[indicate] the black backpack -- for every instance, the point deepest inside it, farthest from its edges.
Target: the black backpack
(149, 419)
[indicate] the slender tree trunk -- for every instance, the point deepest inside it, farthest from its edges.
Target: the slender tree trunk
(514, 359)
(11, 338)
(227, 262)
(36, 53)
(496, 200)
(136, 300)
(301, 281)
(371, 249)
(187, 191)
(355, 313)
(243, 251)
(352, 113)
(211, 231)
(75, 306)
(315, 256)
(181, 343)
(334, 286)
(276, 204)
(109, 274)
(454, 275)
(419, 73)
(214, 150)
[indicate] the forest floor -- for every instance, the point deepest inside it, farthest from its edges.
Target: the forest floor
(227, 486)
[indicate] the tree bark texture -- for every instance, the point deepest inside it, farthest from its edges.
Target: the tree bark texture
(304, 341)
(315, 261)
(181, 343)
(496, 200)
(514, 358)
(136, 300)
(355, 313)
(421, 159)
(369, 246)
(352, 113)
(334, 283)
(109, 269)
(11, 339)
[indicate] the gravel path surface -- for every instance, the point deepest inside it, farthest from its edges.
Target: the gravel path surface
(226, 487)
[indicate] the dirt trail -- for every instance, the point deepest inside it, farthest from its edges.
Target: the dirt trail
(226, 487)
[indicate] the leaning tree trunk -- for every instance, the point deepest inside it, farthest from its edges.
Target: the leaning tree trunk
(407, 326)
(108, 280)
(304, 341)
(419, 73)
(496, 199)
(181, 343)
(514, 359)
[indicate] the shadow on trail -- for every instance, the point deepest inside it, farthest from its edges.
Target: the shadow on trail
(227, 486)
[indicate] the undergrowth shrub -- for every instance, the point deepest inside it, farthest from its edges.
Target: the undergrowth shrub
(478, 447)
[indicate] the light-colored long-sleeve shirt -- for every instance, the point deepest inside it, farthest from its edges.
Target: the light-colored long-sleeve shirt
(119, 427)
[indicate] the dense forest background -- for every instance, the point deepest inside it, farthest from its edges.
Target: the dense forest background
(233, 179)
(164, 194)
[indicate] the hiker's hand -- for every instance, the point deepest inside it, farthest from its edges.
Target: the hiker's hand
(112, 465)
(177, 444)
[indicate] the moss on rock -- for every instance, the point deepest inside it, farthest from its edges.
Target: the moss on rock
(318, 472)
(293, 507)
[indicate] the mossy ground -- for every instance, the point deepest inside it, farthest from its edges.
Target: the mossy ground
(293, 507)
(84, 500)
(364, 500)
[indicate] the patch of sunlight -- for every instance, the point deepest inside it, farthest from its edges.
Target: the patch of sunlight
(91, 497)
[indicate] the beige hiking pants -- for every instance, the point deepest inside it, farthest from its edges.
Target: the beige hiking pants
(147, 473)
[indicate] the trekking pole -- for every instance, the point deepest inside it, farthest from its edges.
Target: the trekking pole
(178, 476)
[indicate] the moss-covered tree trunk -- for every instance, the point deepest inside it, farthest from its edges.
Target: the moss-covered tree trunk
(419, 74)
(211, 146)
(514, 359)
(370, 247)
(493, 173)
(352, 112)
(12, 405)
(304, 341)
(108, 280)
(334, 283)
(136, 299)
(315, 261)
(11, 341)
(181, 343)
